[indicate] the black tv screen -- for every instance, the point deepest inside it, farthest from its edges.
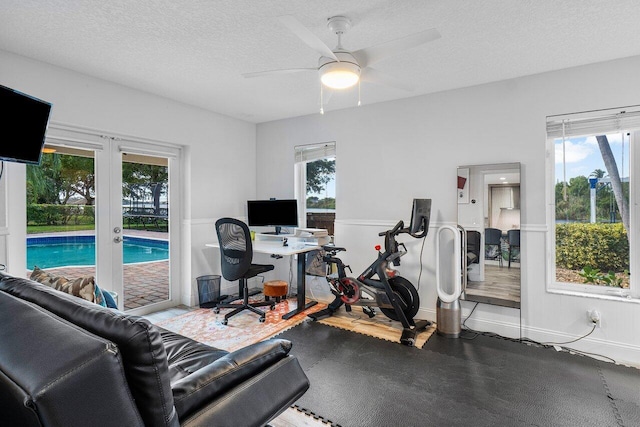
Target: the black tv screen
(272, 213)
(23, 124)
(420, 216)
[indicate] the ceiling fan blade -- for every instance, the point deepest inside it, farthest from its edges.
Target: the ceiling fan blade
(371, 55)
(307, 36)
(276, 72)
(374, 76)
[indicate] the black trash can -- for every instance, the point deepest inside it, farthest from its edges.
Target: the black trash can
(208, 290)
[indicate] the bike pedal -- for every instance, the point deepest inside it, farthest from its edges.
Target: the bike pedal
(369, 312)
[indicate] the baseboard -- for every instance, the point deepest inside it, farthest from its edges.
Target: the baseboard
(622, 353)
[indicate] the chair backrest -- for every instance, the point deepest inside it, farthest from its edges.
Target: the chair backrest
(236, 251)
(514, 237)
(492, 236)
(473, 242)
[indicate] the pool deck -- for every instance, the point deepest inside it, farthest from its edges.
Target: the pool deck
(144, 283)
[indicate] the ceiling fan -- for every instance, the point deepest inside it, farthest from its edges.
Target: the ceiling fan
(340, 68)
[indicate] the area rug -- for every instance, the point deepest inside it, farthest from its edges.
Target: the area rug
(242, 329)
(357, 380)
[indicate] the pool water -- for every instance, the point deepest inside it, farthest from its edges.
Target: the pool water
(63, 251)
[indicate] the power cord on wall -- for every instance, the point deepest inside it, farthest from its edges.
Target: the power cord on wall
(533, 342)
(1, 168)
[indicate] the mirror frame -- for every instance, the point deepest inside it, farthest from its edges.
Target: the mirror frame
(475, 211)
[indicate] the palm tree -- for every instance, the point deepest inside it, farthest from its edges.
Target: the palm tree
(616, 182)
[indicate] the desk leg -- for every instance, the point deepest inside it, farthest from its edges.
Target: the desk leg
(302, 288)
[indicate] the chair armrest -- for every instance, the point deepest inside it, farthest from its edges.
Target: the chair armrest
(195, 390)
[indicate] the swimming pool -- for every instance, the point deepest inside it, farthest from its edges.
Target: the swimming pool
(62, 251)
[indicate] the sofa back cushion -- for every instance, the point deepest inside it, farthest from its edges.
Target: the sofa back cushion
(52, 372)
(140, 343)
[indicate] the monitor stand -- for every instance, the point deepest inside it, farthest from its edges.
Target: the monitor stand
(278, 231)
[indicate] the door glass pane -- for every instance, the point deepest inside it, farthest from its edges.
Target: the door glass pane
(145, 219)
(60, 213)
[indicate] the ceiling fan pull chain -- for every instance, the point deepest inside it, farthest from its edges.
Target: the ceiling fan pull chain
(321, 103)
(359, 103)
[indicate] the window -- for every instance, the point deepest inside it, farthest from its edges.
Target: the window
(316, 185)
(592, 169)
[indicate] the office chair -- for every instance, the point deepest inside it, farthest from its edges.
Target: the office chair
(473, 247)
(236, 254)
(513, 236)
(492, 238)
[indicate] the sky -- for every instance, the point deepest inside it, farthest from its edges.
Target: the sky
(582, 156)
(330, 191)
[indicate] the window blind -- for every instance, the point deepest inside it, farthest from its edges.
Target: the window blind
(595, 122)
(311, 152)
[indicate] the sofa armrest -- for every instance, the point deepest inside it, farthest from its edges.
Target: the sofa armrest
(256, 401)
(197, 389)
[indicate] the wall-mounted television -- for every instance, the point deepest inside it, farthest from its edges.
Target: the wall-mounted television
(272, 213)
(23, 124)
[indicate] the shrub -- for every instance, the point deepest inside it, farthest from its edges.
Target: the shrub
(47, 214)
(602, 246)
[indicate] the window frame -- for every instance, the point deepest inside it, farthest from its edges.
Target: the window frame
(599, 291)
(303, 155)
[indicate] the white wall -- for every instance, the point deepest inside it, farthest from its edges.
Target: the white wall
(389, 153)
(220, 151)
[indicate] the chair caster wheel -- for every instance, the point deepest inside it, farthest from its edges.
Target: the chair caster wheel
(225, 321)
(216, 310)
(261, 320)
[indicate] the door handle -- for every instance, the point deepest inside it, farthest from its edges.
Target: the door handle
(117, 239)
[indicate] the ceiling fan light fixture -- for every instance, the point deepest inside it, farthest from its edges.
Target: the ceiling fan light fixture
(339, 75)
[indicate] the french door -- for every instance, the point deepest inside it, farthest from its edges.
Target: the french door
(143, 227)
(135, 200)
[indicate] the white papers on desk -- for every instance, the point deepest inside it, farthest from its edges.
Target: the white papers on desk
(315, 236)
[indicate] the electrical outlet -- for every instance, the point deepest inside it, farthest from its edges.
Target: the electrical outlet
(593, 316)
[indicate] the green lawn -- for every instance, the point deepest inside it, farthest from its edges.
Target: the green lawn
(36, 229)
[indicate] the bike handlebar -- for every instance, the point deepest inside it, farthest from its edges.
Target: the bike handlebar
(395, 230)
(399, 229)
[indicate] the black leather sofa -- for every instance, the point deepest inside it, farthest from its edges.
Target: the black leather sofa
(68, 362)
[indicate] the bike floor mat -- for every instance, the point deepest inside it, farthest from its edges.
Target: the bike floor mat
(357, 380)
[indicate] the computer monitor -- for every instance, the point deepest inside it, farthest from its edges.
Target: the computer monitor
(23, 125)
(272, 213)
(420, 215)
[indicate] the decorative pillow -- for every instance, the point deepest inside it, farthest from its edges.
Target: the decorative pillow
(83, 287)
(99, 295)
(109, 300)
(41, 276)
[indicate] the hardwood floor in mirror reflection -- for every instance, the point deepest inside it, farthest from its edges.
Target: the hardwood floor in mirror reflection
(503, 287)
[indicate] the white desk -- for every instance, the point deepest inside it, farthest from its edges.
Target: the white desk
(294, 247)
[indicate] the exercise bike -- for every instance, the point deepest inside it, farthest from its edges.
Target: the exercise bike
(380, 285)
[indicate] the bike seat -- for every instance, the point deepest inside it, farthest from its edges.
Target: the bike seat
(331, 248)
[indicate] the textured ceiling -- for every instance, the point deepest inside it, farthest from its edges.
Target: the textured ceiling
(195, 51)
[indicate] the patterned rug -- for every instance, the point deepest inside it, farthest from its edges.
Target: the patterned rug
(243, 329)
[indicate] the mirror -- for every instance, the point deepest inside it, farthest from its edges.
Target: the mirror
(489, 212)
